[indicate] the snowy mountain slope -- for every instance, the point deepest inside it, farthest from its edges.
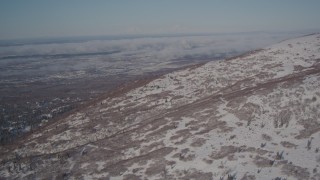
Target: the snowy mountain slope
(255, 116)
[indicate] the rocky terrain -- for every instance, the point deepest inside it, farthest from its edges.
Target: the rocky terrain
(42, 79)
(255, 116)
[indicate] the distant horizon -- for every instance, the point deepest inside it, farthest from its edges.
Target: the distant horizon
(149, 35)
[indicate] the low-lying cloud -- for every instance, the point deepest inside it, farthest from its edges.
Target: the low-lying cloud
(127, 55)
(159, 46)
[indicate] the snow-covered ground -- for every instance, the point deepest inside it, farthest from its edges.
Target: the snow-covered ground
(255, 116)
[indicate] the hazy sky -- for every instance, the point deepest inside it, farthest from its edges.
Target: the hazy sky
(58, 18)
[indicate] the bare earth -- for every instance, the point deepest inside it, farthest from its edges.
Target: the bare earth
(255, 116)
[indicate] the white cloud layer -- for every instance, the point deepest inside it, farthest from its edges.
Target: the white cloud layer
(127, 56)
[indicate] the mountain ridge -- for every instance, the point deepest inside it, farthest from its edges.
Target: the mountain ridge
(254, 116)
